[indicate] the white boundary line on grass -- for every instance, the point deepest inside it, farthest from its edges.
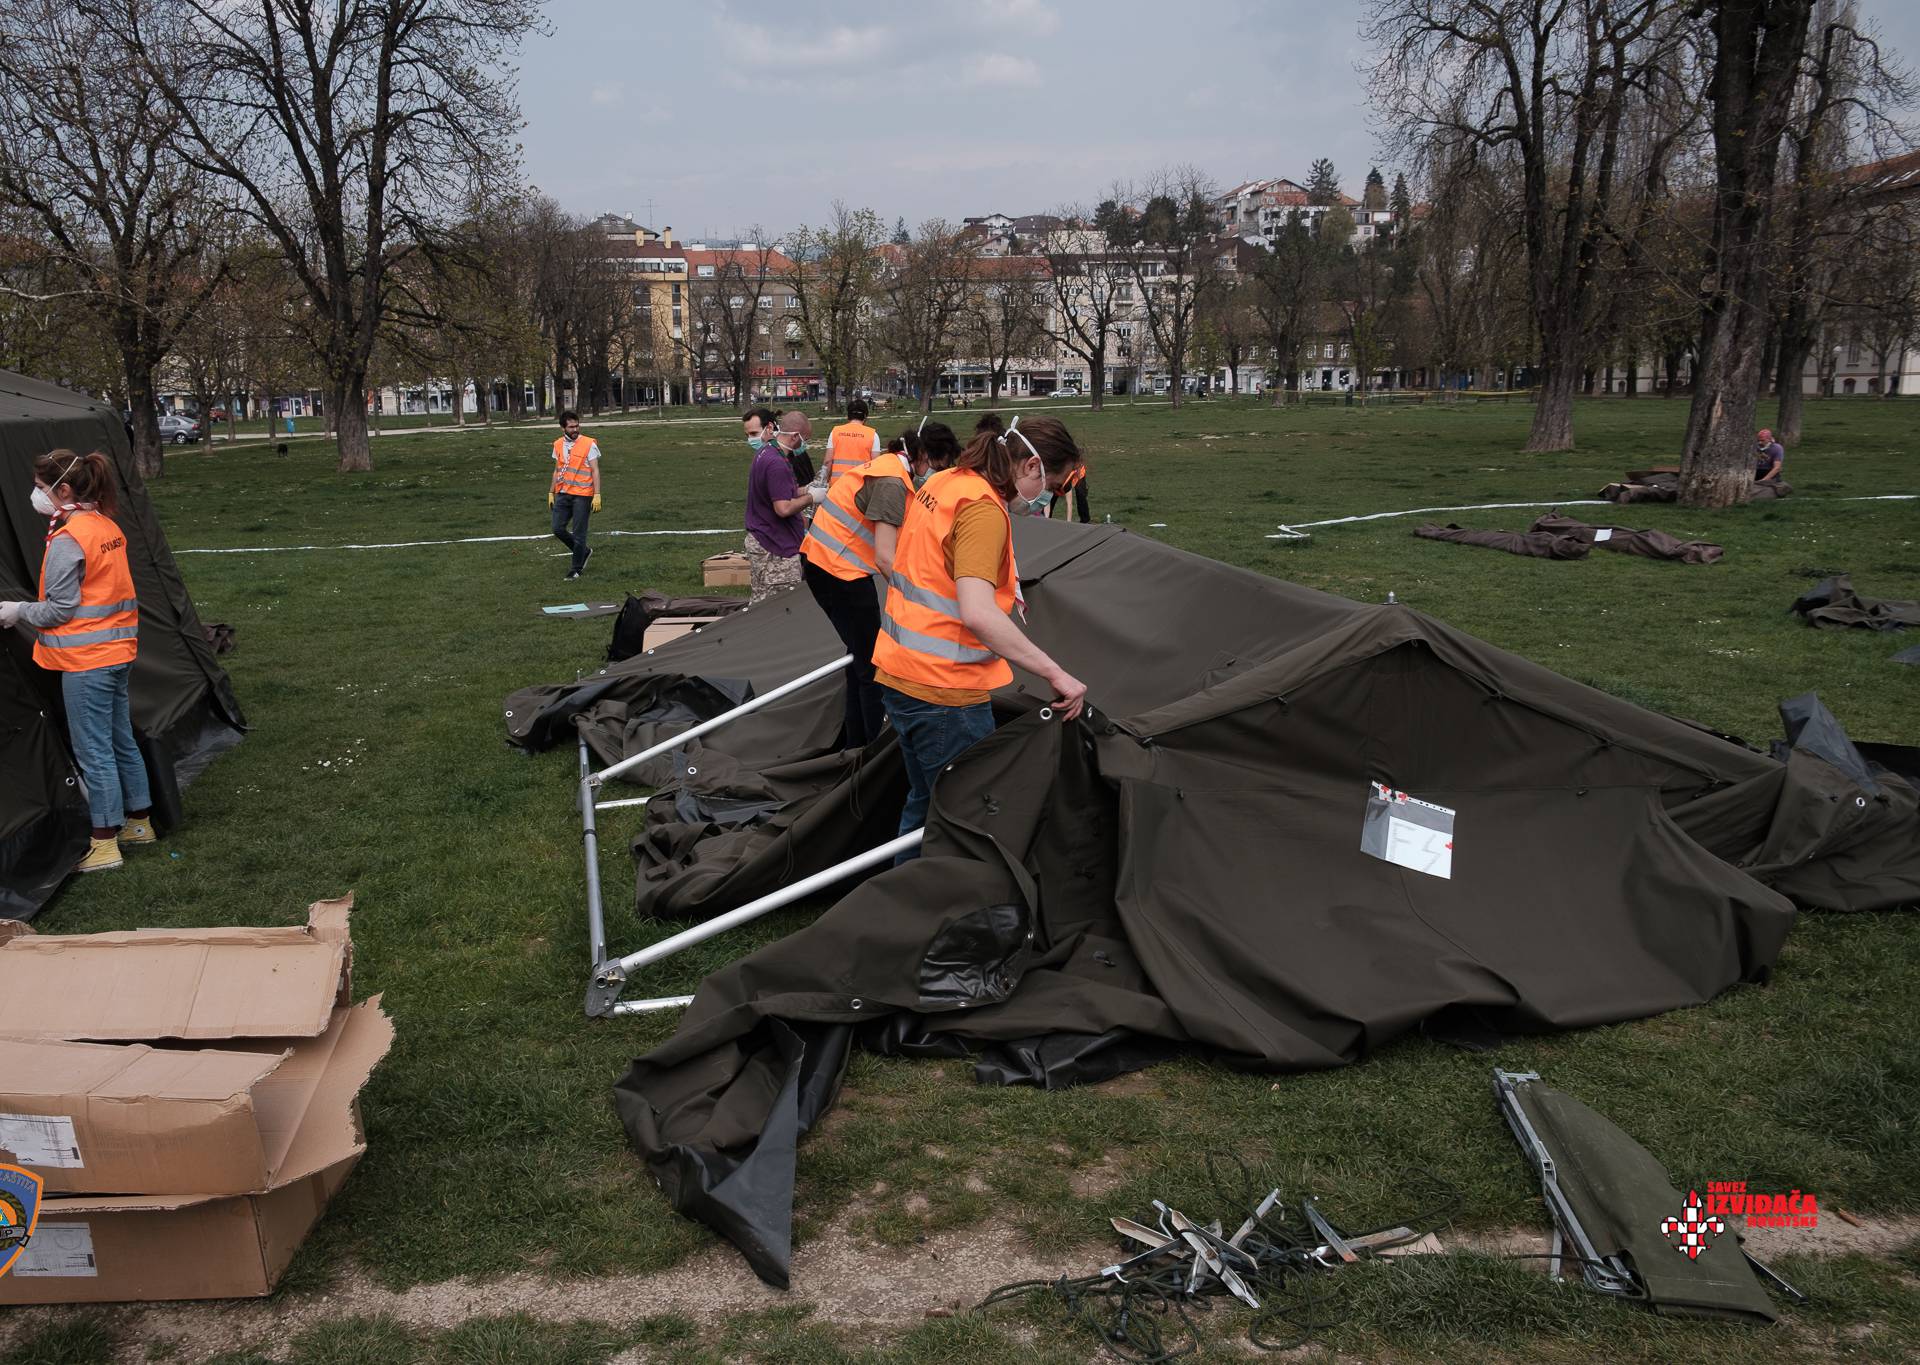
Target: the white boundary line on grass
(464, 540)
(1297, 530)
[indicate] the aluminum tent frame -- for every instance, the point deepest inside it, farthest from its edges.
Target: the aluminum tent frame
(610, 974)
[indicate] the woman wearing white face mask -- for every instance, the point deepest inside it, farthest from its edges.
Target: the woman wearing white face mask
(86, 624)
(947, 636)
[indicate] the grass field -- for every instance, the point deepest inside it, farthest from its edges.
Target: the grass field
(373, 681)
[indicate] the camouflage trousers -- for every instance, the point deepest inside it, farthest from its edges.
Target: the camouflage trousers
(769, 573)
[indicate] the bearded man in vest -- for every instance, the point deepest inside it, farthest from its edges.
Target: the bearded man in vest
(86, 627)
(947, 635)
(851, 444)
(575, 493)
(852, 539)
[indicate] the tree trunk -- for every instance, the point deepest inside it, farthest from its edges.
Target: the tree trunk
(1716, 467)
(1097, 381)
(1553, 410)
(1788, 384)
(356, 450)
(148, 454)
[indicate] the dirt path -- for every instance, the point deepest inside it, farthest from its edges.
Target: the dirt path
(849, 1282)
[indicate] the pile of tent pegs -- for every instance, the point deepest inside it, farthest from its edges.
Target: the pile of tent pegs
(1270, 1263)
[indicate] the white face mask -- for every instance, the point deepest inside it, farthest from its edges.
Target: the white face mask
(43, 502)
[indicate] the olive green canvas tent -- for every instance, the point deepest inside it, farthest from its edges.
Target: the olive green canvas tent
(184, 712)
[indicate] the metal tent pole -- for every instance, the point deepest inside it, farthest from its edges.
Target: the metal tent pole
(707, 726)
(611, 977)
(590, 839)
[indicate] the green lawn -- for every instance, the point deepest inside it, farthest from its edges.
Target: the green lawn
(373, 680)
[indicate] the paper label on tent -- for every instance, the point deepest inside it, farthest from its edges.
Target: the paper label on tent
(1604, 533)
(40, 1140)
(58, 1250)
(1407, 831)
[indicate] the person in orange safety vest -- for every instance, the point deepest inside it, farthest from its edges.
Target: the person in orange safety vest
(86, 625)
(947, 635)
(851, 444)
(574, 494)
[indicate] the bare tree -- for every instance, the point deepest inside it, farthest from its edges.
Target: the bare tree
(1165, 234)
(1467, 260)
(1288, 287)
(1006, 314)
(724, 295)
(1092, 288)
(1227, 323)
(834, 278)
(354, 132)
(1755, 49)
(1551, 81)
(924, 286)
(90, 149)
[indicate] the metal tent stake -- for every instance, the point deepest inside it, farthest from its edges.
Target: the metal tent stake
(610, 978)
(603, 990)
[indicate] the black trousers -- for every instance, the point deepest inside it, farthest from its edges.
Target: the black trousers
(573, 509)
(853, 606)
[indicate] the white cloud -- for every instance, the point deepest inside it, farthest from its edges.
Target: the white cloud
(1001, 68)
(841, 45)
(606, 96)
(1033, 18)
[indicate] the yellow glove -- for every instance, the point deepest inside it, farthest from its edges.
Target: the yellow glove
(596, 502)
(549, 497)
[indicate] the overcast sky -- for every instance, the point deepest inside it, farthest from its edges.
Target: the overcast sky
(712, 118)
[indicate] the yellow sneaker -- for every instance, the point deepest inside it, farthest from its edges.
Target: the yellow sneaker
(137, 832)
(104, 856)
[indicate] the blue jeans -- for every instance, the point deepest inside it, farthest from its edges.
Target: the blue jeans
(573, 509)
(931, 737)
(101, 730)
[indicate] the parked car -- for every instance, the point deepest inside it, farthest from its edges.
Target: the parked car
(178, 430)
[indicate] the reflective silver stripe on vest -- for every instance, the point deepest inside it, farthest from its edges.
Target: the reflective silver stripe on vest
(87, 637)
(822, 535)
(920, 596)
(109, 609)
(839, 514)
(926, 644)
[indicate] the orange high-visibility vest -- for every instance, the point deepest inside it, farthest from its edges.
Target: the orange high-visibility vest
(841, 539)
(922, 638)
(848, 447)
(1064, 498)
(102, 631)
(573, 475)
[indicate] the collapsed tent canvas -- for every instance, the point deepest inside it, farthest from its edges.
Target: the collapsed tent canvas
(1185, 868)
(184, 712)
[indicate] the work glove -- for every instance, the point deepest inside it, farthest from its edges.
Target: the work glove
(596, 502)
(549, 497)
(10, 614)
(818, 488)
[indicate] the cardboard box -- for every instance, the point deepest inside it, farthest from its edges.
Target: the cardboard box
(180, 1170)
(725, 571)
(665, 628)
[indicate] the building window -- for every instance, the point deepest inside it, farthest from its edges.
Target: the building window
(793, 302)
(705, 272)
(766, 300)
(765, 357)
(1329, 351)
(1124, 336)
(793, 353)
(765, 330)
(1853, 349)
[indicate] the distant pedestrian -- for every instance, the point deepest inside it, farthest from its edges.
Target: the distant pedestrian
(1769, 457)
(87, 625)
(575, 493)
(775, 502)
(852, 443)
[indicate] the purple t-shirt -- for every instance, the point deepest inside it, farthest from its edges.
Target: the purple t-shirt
(771, 480)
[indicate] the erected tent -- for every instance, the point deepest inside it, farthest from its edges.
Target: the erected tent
(1295, 828)
(184, 712)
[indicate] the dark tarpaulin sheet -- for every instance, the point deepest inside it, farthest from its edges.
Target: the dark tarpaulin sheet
(1662, 486)
(1626, 540)
(1183, 869)
(184, 712)
(1533, 544)
(1834, 604)
(1621, 1196)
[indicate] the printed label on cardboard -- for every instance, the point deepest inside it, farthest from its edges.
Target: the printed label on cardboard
(41, 1140)
(58, 1249)
(1407, 831)
(1604, 533)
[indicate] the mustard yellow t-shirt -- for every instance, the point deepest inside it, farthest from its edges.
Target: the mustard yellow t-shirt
(976, 548)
